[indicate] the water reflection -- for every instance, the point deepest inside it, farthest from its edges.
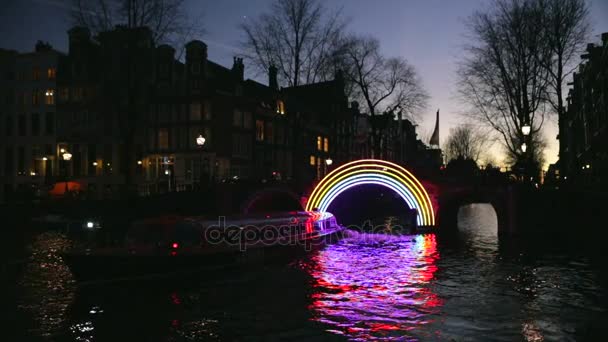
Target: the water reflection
(473, 287)
(370, 287)
(46, 284)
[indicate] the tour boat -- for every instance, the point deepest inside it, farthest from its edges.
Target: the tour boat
(168, 245)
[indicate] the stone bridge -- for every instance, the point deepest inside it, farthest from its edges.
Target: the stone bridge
(436, 200)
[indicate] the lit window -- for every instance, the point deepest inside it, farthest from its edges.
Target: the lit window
(280, 107)
(259, 130)
(326, 145)
(319, 143)
(50, 73)
(312, 160)
(49, 97)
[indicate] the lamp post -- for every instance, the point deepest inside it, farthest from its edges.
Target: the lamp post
(67, 156)
(200, 141)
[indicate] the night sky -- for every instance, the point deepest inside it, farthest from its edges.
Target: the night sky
(429, 33)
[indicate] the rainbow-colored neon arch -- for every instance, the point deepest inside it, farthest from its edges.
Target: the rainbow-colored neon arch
(374, 171)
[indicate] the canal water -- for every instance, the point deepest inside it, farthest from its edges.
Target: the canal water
(469, 286)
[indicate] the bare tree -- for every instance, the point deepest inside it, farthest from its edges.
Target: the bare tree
(167, 19)
(565, 28)
(384, 85)
(296, 36)
(504, 77)
(466, 142)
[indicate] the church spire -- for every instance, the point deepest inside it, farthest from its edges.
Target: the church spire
(435, 137)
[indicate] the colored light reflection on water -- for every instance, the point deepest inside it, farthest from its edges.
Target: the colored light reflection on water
(378, 289)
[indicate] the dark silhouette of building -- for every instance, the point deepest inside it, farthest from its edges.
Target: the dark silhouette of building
(130, 113)
(29, 159)
(584, 132)
(134, 118)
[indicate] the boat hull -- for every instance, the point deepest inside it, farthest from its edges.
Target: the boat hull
(119, 264)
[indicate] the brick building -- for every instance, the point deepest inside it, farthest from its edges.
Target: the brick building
(584, 134)
(29, 158)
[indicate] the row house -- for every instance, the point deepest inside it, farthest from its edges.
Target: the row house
(29, 157)
(584, 137)
(134, 117)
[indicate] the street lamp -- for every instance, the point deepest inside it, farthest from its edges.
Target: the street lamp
(328, 161)
(524, 147)
(66, 157)
(525, 129)
(200, 141)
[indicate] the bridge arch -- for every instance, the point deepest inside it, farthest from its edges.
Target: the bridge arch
(374, 171)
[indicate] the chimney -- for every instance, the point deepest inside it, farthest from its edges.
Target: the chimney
(272, 77)
(339, 78)
(238, 68)
(605, 38)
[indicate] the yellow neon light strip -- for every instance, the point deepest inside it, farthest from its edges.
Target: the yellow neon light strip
(397, 172)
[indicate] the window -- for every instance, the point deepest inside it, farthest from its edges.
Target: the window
(49, 96)
(195, 112)
(107, 159)
(77, 94)
(195, 67)
(326, 145)
(259, 130)
(268, 132)
(9, 125)
(9, 161)
(49, 123)
(64, 94)
(247, 119)
(312, 160)
(163, 139)
(207, 110)
(36, 159)
(35, 97)
(36, 74)
(50, 73)
(21, 124)
(35, 124)
(319, 143)
(237, 118)
(21, 160)
(280, 107)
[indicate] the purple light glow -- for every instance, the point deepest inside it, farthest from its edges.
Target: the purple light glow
(367, 292)
(371, 179)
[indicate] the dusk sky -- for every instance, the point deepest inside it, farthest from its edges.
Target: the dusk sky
(428, 33)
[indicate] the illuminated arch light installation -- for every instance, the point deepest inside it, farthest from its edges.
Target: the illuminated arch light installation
(374, 171)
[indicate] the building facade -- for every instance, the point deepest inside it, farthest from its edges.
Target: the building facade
(29, 156)
(117, 114)
(584, 135)
(135, 117)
